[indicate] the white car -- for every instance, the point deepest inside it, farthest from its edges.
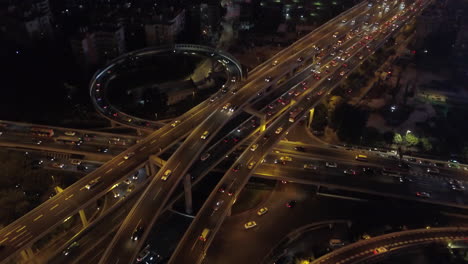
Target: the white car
(278, 130)
(250, 224)
(70, 133)
(331, 165)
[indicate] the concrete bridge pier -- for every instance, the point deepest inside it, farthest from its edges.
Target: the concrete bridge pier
(188, 194)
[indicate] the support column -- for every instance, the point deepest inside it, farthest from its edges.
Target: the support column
(311, 117)
(188, 193)
(150, 169)
(84, 221)
(83, 218)
(262, 123)
(27, 254)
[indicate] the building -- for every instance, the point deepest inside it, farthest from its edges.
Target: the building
(163, 28)
(210, 21)
(98, 45)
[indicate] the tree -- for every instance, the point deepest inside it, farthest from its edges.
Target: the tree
(425, 144)
(397, 139)
(411, 139)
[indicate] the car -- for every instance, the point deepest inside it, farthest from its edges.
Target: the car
(129, 155)
(262, 211)
(226, 106)
(70, 133)
(237, 167)
(233, 108)
(130, 188)
(299, 148)
(204, 234)
(103, 150)
(137, 233)
(71, 248)
(205, 135)
(58, 165)
(37, 163)
(335, 35)
(75, 162)
(331, 164)
(432, 170)
(286, 158)
(175, 123)
(143, 254)
(309, 166)
(166, 175)
(268, 79)
(254, 147)
(230, 192)
(218, 204)
(274, 63)
(423, 194)
(135, 175)
(205, 156)
(278, 161)
(250, 224)
(223, 187)
(251, 165)
(300, 59)
(127, 181)
(291, 204)
(278, 130)
(350, 172)
(37, 141)
(380, 250)
(92, 183)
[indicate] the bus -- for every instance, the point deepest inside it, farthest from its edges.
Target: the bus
(361, 157)
(293, 114)
(42, 132)
(69, 140)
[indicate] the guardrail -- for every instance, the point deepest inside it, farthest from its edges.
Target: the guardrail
(137, 122)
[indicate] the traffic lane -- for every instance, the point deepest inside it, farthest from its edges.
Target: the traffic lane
(374, 159)
(242, 162)
(364, 249)
(156, 195)
(77, 195)
(370, 185)
(254, 244)
(93, 236)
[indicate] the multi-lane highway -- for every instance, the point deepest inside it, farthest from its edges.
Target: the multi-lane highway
(358, 36)
(120, 249)
(191, 249)
(390, 243)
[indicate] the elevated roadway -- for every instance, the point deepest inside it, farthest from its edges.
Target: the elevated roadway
(217, 206)
(378, 247)
(121, 250)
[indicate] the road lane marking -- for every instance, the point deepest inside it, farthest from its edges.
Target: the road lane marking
(70, 196)
(109, 170)
(3, 240)
(7, 234)
(53, 207)
(20, 234)
(142, 148)
(154, 198)
(37, 218)
(120, 163)
(153, 141)
(23, 227)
